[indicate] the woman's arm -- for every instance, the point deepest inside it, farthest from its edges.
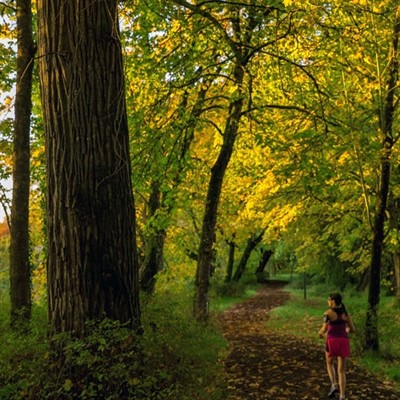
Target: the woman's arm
(323, 330)
(350, 325)
(324, 326)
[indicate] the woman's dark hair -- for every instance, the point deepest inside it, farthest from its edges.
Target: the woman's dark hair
(338, 301)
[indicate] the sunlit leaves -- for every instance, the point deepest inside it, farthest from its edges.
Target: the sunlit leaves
(7, 49)
(308, 148)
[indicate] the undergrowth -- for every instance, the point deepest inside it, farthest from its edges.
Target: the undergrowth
(175, 358)
(226, 294)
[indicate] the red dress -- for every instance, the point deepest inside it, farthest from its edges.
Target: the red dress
(338, 343)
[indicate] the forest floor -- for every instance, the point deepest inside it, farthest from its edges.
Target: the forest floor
(264, 364)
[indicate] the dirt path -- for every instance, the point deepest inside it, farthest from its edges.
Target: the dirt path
(267, 366)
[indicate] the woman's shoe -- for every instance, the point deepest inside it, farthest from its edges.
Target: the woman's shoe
(333, 391)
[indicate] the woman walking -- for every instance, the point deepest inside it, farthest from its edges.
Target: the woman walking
(337, 324)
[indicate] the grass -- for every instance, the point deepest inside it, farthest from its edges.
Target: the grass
(21, 355)
(175, 358)
(303, 318)
(192, 352)
(225, 295)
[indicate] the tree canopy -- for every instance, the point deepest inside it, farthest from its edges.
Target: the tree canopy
(267, 123)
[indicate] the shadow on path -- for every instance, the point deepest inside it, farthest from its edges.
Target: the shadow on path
(265, 365)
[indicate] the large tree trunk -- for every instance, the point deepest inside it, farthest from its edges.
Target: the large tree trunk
(251, 245)
(92, 260)
(20, 281)
(371, 324)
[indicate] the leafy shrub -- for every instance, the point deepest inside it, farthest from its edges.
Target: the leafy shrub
(175, 358)
(107, 364)
(229, 289)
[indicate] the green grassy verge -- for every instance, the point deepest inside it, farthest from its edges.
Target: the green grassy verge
(225, 295)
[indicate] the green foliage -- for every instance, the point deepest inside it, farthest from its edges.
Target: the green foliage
(190, 352)
(4, 263)
(309, 150)
(175, 358)
(229, 289)
(106, 364)
(22, 356)
(229, 293)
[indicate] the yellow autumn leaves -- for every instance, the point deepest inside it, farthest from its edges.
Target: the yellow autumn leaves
(376, 5)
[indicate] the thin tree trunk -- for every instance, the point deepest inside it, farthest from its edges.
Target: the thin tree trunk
(371, 325)
(231, 260)
(92, 259)
(155, 243)
(266, 255)
(20, 279)
(364, 281)
(394, 224)
(238, 36)
(207, 239)
(153, 261)
(396, 265)
(251, 245)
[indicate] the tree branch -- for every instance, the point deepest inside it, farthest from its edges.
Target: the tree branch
(2, 3)
(196, 10)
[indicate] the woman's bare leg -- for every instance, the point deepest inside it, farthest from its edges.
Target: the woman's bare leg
(342, 376)
(331, 369)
